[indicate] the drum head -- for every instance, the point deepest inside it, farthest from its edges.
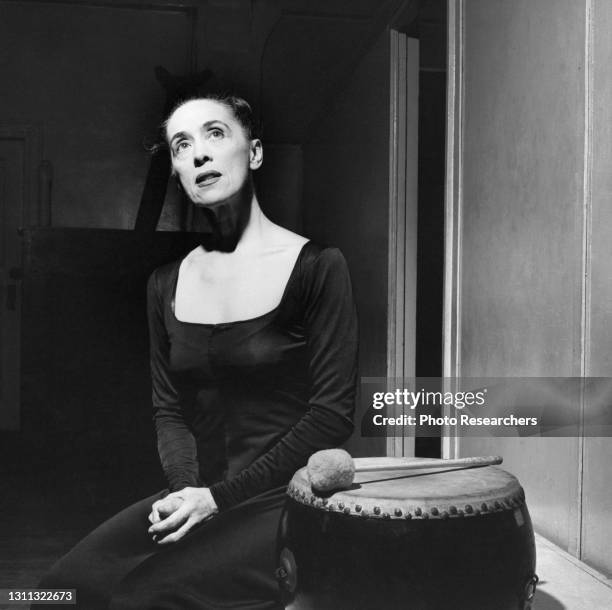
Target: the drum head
(422, 494)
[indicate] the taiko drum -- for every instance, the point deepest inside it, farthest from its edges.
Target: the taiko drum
(420, 540)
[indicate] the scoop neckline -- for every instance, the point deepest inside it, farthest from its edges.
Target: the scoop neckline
(293, 273)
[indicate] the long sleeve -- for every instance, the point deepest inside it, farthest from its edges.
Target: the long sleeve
(175, 442)
(331, 327)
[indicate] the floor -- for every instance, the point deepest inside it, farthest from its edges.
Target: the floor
(568, 584)
(42, 516)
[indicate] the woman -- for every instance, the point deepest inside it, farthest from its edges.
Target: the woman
(253, 359)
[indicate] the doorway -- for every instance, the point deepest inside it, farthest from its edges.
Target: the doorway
(19, 158)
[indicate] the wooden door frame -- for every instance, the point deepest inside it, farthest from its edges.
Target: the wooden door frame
(403, 203)
(453, 203)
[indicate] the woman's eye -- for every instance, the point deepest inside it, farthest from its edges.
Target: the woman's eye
(181, 147)
(216, 134)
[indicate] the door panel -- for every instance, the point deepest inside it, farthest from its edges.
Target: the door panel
(517, 213)
(12, 180)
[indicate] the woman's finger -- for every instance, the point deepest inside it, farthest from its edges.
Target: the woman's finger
(175, 520)
(154, 516)
(174, 536)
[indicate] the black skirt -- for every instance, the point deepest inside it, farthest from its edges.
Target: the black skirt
(225, 562)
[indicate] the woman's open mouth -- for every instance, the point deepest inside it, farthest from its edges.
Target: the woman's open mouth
(207, 178)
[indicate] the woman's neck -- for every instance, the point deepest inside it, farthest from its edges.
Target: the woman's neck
(234, 224)
(253, 233)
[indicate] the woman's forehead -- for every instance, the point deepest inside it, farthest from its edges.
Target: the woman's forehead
(193, 114)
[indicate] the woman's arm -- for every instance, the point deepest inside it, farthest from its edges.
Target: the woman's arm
(187, 504)
(332, 339)
(175, 442)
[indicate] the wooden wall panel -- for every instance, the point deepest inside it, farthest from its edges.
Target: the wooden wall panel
(522, 187)
(597, 491)
(521, 229)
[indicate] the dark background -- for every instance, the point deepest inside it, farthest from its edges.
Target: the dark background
(81, 76)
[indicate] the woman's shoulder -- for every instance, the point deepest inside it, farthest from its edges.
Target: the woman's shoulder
(323, 253)
(161, 279)
(322, 265)
(312, 251)
(279, 238)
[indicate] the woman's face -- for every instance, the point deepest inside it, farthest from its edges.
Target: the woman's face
(210, 151)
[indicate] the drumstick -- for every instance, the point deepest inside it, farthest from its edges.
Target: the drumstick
(334, 469)
(468, 462)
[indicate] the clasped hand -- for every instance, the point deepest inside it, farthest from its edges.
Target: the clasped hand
(173, 516)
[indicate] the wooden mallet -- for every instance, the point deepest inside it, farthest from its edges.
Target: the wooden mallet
(334, 469)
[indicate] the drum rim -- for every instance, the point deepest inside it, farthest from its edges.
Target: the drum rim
(509, 496)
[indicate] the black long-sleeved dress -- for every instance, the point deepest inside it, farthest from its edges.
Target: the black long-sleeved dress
(238, 407)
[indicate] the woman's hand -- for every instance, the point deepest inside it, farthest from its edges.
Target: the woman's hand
(173, 516)
(164, 508)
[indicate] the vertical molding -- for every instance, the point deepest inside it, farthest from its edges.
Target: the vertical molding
(451, 332)
(585, 314)
(403, 202)
(405, 443)
(395, 297)
(411, 61)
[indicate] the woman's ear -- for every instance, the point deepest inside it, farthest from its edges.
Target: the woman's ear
(255, 154)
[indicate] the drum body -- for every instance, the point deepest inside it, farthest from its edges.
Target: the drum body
(425, 540)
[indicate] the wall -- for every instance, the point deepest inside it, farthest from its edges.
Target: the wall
(279, 187)
(597, 452)
(529, 202)
(346, 199)
(85, 75)
(81, 71)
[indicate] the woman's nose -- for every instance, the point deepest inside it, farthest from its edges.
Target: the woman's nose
(200, 154)
(200, 158)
